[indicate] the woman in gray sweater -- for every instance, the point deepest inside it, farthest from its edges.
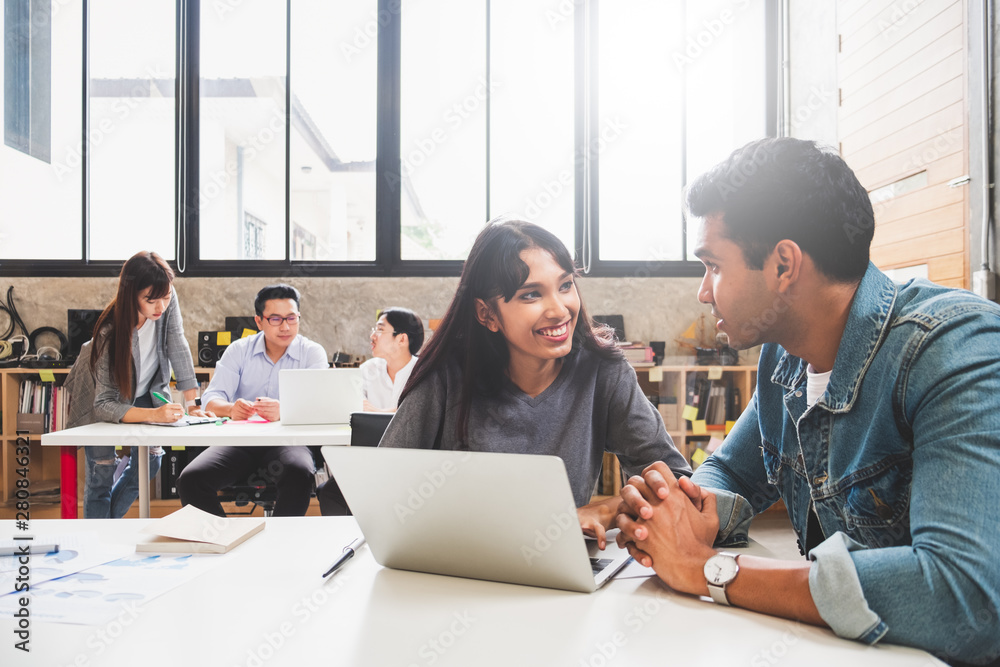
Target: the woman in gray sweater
(518, 366)
(140, 337)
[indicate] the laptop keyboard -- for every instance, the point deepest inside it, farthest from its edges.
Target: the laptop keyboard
(598, 564)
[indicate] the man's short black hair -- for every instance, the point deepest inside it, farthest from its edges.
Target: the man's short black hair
(279, 291)
(783, 188)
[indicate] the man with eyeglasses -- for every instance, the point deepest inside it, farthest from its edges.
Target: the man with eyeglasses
(246, 384)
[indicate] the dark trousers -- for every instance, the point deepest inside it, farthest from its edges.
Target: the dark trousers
(290, 468)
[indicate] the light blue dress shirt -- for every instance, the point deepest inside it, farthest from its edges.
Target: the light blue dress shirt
(245, 371)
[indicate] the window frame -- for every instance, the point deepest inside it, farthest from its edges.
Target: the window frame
(388, 241)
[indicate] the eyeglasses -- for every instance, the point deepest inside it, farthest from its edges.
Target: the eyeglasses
(378, 331)
(276, 320)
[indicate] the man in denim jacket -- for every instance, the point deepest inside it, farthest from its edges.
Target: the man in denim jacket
(876, 419)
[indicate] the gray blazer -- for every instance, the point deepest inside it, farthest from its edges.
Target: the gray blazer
(80, 383)
(171, 349)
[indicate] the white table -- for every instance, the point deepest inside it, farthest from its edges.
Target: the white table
(266, 605)
(144, 436)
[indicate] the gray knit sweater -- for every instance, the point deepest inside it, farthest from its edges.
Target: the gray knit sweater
(594, 405)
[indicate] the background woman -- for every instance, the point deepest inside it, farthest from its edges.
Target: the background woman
(138, 339)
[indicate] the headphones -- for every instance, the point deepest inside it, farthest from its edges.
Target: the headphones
(50, 353)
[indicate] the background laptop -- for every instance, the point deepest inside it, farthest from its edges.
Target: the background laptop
(500, 517)
(319, 395)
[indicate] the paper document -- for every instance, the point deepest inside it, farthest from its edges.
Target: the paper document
(190, 530)
(188, 420)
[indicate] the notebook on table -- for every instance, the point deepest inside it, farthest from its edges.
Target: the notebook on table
(319, 395)
(498, 517)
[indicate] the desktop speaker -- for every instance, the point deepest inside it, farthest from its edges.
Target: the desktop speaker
(210, 348)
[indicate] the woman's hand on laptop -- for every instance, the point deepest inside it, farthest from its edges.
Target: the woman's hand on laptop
(596, 518)
(268, 408)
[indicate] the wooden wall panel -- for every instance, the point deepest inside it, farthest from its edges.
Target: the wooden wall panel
(904, 113)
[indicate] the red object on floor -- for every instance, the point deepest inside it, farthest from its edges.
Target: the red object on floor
(67, 483)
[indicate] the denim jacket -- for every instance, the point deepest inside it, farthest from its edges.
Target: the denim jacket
(901, 459)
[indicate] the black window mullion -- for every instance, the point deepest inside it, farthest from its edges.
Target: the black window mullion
(388, 184)
(84, 144)
(190, 120)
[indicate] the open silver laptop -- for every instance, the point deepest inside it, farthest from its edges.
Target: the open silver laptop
(319, 396)
(500, 517)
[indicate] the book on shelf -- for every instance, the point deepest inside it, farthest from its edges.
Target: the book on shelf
(191, 530)
(637, 354)
(43, 398)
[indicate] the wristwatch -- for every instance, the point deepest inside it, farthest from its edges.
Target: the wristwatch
(720, 570)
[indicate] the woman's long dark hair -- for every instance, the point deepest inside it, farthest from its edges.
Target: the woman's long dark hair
(142, 270)
(495, 269)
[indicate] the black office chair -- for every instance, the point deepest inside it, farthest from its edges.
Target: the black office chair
(261, 493)
(366, 431)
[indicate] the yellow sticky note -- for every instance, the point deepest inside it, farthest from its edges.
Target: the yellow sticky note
(698, 457)
(47, 376)
(715, 373)
(247, 332)
(690, 413)
(176, 448)
(223, 338)
(655, 374)
(118, 448)
(698, 427)
(729, 427)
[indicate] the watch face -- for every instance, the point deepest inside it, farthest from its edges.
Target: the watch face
(720, 569)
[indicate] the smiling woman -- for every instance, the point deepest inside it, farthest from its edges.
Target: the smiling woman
(518, 366)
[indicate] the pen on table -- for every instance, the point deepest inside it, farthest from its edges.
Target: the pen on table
(35, 549)
(349, 551)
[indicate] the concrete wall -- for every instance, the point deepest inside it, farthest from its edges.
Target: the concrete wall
(339, 312)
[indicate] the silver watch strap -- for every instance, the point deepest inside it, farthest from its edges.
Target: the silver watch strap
(718, 594)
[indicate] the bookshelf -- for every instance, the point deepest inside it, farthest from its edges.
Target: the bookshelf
(667, 386)
(670, 387)
(44, 468)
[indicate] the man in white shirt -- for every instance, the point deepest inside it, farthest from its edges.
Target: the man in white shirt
(395, 341)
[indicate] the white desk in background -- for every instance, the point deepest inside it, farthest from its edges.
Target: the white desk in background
(144, 436)
(266, 605)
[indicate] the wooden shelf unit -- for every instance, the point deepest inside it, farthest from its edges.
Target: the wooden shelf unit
(44, 466)
(674, 384)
